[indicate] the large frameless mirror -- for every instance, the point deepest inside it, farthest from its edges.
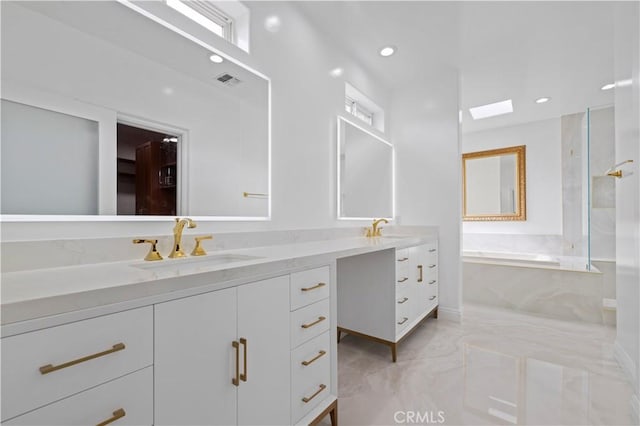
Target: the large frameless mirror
(365, 173)
(108, 109)
(494, 184)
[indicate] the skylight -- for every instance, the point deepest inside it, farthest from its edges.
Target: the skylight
(491, 110)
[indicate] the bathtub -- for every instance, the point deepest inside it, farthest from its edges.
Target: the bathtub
(554, 286)
(571, 263)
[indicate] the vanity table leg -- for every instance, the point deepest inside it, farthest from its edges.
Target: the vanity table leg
(435, 313)
(333, 414)
(339, 334)
(394, 354)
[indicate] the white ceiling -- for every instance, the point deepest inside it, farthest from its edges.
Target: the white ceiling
(516, 50)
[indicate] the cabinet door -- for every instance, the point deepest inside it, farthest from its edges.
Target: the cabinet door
(419, 274)
(263, 321)
(195, 360)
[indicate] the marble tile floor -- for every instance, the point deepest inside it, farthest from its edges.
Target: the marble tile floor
(498, 367)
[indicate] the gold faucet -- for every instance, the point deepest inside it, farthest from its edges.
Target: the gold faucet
(374, 231)
(177, 236)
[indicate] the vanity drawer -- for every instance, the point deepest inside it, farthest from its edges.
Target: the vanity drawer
(310, 286)
(404, 314)
(310, 368)
(402, 264)
(47, 365)
(309, 322)
(133, 394)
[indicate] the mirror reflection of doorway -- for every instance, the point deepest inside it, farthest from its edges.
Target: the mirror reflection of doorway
(147, 171)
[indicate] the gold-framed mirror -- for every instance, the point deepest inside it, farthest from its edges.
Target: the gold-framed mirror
(494, 185)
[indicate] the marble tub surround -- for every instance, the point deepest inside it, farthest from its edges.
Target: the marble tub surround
(30, 255)
(496, 367)
(38, 293)
(553, 292)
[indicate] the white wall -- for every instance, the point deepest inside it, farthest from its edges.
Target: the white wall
(544, 175)
(627, 125)
(428, 174)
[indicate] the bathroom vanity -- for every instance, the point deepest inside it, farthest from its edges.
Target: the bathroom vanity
(243, 336)
(384, 295)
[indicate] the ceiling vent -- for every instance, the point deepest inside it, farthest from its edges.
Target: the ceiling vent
(228, 79)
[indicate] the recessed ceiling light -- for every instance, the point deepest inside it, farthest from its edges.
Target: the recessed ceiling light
(491, 110)
(608, 86)
(542, 100)
(336, 72)
(387, 51)
(272, 23)
(216, 59)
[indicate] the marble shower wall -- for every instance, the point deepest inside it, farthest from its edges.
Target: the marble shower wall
(603, 190)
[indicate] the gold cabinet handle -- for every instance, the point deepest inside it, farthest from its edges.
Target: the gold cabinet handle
(432, 297)
(432, 282)
(198, 250)
(118, 414)
(432, 266)
(420, 271)
(236, 379)
(432, 250)
(319, 285)
(404, 259)
(311, 324)
(243, 342)
(404, 319)
(320, 389)
(320, 354)
(46, 369)
(153, 251)
(403, 279)
(403, 300)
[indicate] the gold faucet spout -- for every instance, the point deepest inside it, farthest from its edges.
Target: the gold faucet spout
(374, 231)
(177, 236)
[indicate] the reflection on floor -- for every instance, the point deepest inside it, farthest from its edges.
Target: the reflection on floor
(498, 367)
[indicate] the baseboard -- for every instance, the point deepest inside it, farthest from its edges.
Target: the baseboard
(626, 363)
(635, 410)
(450, 314)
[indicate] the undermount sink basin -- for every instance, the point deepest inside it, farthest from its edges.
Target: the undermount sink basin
(194, 264)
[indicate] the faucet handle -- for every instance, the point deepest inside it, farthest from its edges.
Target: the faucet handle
(198, 250)
(378, 232)
(153, 252)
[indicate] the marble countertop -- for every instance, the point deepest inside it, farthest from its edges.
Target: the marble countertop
(33, 294)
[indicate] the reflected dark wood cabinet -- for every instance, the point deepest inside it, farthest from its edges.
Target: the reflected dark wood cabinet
(156, 178)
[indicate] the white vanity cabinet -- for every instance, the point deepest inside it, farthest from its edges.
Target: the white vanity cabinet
(384, 295)
(223, 358)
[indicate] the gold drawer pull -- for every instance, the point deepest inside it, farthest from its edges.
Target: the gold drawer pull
(403, 279)
(320, 354)
(403, 300)
(404, 259)
(432, 250)
(305, 399)
(118, 414)
(314, 287)
(311, 324)
(45, 369)
(236, 379)
(405, 319)
(432, 297)
(432, 266)
(420, 271)
(243, 342)
(432, 282)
